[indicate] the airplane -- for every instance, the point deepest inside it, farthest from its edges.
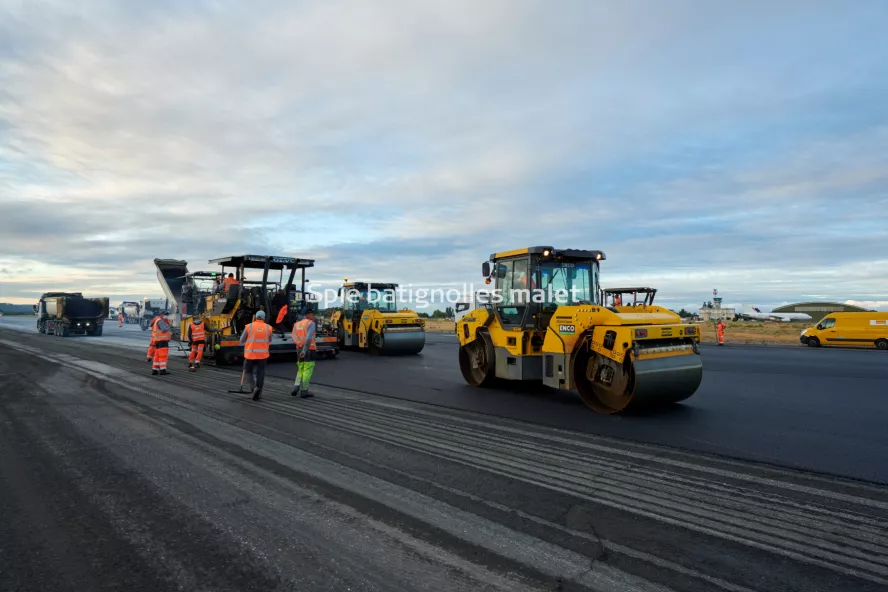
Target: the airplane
(752, 313)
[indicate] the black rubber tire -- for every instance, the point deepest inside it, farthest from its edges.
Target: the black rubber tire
(478, 377)
(882, 344)
(97, 332)
(374, 349)
(813, 342)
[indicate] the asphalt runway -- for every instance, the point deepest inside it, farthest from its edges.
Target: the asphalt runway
(822, 410)
(814, 409)
(111, 478)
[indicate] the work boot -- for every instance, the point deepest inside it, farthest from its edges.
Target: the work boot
(296, 389)
(190, 367)
(154, 373)
(306, 395)
(257, 394)
(164, 372)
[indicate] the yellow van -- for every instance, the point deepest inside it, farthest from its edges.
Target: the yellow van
(860, 329)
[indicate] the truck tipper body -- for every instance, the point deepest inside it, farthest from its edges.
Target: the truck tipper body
(66, 313)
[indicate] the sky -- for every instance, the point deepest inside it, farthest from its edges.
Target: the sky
(700, 145)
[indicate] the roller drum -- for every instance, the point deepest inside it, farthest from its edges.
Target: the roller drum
(608, 387)
(400, 343)
(662, 381)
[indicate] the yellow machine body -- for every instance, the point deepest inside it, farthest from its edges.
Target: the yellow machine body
(370, 320)
(617, 358)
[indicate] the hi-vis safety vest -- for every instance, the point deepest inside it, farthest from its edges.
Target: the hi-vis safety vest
(300, 331)
(159, 335)
(198, 333)
(256, 345)
(154, 328)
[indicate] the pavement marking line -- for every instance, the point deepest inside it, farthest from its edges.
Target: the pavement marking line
(525, 549)
(674, 510)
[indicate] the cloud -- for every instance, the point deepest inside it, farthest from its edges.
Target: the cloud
(700, 146)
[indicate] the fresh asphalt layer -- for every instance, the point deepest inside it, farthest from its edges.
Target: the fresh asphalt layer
(822, 410)
(113, 479)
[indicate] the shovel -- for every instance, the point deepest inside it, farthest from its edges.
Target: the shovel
(241, 387)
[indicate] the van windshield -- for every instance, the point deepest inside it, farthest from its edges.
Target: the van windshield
(827, 323)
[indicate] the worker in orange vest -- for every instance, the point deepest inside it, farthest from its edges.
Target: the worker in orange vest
(256, 340)
(279, 321)
(120, 319)
(618, 300)
(229, 281)
(306, 346)
(720, 332)
(162, 333)
(152, 348)
(197, 335)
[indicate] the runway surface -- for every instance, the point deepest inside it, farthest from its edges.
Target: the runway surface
(822, 410)
(113, 479)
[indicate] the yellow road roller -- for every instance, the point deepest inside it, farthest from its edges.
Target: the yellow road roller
(547, 321)
(370, 320)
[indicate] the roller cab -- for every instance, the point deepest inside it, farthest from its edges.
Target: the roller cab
(369, 320)
(546, 321)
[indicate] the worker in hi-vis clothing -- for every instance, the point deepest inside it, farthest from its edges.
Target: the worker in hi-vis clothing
(256, 340)
(152, 345)
(720, 332)
(304, 338)
(162, 333)
(197, 335)
(229, 281)
(279, 321)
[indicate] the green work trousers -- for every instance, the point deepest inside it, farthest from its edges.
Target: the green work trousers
(304, 371)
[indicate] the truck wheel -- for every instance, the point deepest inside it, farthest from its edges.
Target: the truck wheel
(882, 344)
(97, 332)
(813, 342)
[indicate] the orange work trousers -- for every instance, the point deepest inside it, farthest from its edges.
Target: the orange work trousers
(196, 354)
(161, 355)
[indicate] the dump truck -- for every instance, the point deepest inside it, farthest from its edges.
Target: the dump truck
(546, 321)
(132, 312)
(151, 307)
(227, 311)
(66, 313)
(369, 320)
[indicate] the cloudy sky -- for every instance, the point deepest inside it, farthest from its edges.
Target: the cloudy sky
(738, 146)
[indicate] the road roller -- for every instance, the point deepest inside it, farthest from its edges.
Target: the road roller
(546, 320)
(369, 320)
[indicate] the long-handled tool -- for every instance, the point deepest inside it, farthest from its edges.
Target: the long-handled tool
(241, 388)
